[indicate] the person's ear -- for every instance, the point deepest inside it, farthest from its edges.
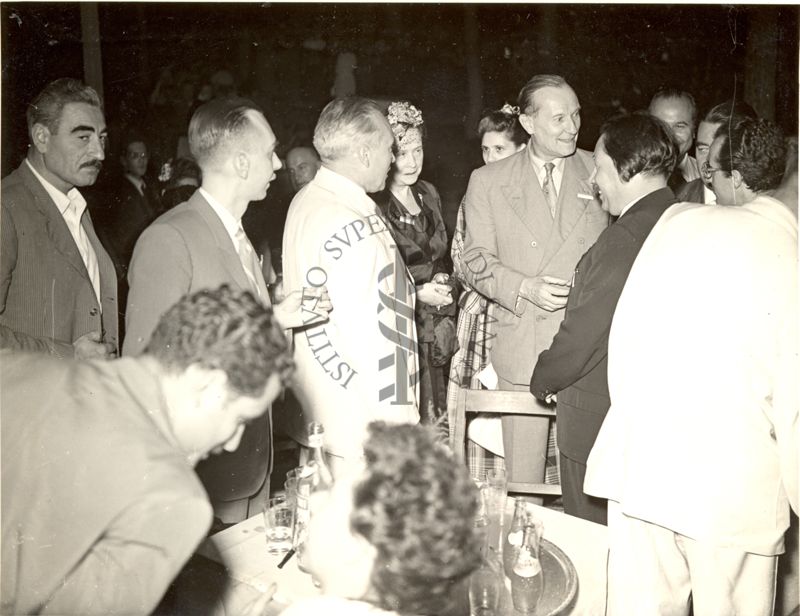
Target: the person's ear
(40, 137)
(209, 386)
(364, 154)
(241, 164)
(737, 178)
(360, 562)
(527, 122)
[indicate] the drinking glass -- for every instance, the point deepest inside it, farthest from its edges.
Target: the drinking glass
(290, 486)
(279, 523)
(497, 482)
(495, 495)
(485, 586)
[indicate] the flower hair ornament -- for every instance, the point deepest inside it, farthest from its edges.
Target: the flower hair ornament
(402, 116)
(508, 109)
(165, 174)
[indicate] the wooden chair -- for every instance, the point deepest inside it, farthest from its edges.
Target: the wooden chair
(501, 403)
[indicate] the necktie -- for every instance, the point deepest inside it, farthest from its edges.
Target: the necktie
(74, 213)
(549, 188)
(249, 260)
(675, 180)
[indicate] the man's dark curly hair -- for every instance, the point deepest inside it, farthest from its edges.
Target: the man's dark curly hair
(227, 330)
(416, 506)
(639, 143)
(756, 149)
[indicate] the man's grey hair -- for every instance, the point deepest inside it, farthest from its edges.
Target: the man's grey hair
(48, 105)
(536, 83)
(344, 124)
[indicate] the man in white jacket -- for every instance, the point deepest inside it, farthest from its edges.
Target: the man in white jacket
(361, 365)
(698, 454)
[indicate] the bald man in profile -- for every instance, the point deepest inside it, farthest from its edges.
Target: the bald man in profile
(201, 244)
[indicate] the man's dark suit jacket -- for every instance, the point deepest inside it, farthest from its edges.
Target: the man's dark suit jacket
(691, 192)
(576, 364)
(131, 214)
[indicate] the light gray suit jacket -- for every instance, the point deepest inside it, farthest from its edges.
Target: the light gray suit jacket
(185, 250)
(47, 300)
(511, 235)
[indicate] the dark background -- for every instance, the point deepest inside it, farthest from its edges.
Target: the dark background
(451, 60)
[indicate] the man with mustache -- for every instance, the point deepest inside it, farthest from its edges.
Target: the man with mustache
(58, 289)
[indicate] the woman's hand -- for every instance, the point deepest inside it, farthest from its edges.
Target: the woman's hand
(434, 294)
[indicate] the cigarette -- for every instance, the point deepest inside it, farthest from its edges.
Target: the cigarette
(286, 558)
(585, 196)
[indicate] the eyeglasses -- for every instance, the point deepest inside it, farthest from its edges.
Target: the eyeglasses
(708, 169)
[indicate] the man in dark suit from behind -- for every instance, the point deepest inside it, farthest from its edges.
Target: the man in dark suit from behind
(633, 159)
(58, 291)
(727, 113)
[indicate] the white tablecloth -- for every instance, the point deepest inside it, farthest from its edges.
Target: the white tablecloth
(242, 549)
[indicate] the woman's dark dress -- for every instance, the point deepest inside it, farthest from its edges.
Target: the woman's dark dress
(422, 241)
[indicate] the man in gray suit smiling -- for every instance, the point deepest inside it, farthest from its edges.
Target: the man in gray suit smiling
(529, 219)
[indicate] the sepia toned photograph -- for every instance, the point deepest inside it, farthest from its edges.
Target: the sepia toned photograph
(400, 309)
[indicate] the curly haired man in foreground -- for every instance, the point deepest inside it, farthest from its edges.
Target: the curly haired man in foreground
(100, 503)
(396, 533)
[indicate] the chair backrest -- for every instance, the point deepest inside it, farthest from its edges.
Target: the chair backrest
(501, 403)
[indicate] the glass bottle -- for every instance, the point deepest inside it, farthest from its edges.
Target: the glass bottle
(515, 535)
(526, 575)
(486, 582)
(315, 476)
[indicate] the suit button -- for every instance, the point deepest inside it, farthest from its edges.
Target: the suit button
(533, 244)
(580, 240)
(93, 312)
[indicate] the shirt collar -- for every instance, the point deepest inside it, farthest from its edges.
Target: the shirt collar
(138, 183)
(538, 163)
(61, 200)
(709, 196)
(228, 221)
(630, 205)
(342, 186)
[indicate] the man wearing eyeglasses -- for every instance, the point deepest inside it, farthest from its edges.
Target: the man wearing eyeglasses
(725, 114)
(698, 455)
(134, 201)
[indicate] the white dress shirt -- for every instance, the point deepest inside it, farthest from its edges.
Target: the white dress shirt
(72, 206)
(541, 172)
(234, 228)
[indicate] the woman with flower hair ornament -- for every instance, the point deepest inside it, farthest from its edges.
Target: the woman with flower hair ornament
(413, 212)
(501, 136)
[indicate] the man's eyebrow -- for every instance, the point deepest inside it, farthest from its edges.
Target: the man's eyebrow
(82, 128)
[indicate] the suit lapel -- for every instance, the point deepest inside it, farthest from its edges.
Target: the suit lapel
(54, 222)
(570, 207)
(526, 199)
(228, 256)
